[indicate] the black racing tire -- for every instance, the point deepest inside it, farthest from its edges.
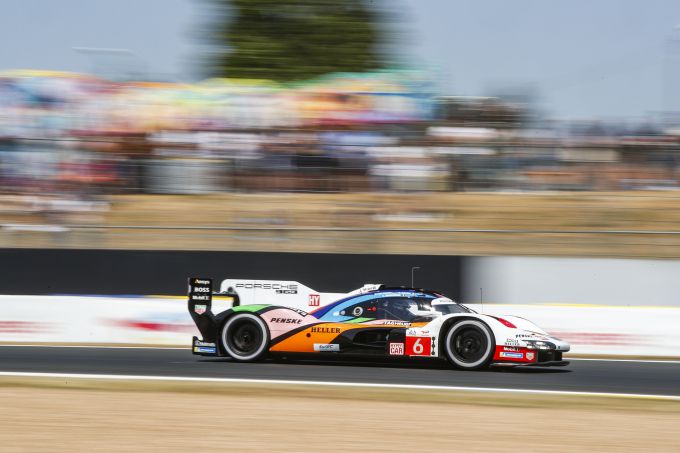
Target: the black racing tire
(245, 337)
(469, 345)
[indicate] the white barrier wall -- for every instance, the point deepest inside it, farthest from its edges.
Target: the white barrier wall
(599, 281)
(600, 305)
(78, 319)
(636, 331)
(602, 330)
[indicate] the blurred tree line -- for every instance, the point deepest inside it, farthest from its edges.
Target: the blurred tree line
(289, 40)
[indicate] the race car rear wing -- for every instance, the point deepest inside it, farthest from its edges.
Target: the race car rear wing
(200, 306)
(277, 292)
(262, 292)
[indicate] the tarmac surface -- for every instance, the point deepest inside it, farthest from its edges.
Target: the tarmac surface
(606, 376)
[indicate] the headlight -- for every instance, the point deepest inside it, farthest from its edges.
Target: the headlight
(531, 344)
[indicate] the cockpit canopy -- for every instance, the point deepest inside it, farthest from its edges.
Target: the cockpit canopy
(398, 304)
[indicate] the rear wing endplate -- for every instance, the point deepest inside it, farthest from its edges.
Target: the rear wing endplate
(200, 306)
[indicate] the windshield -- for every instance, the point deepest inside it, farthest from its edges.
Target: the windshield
(447, 309)
(442, 305)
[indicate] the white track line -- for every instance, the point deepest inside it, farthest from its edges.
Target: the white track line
(622, 360)
(187, 348)
(334, 384)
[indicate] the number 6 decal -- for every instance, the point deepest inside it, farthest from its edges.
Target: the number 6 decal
(418, 345)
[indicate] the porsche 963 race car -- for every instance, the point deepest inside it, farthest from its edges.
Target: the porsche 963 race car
(268, 317)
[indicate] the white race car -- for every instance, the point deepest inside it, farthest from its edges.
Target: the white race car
(267, 317)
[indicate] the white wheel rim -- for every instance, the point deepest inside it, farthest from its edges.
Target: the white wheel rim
(452, 356)
(225, 343)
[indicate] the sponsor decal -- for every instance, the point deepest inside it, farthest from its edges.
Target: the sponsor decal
(419, 346)
(200, 309)
(369, 287)
(531, 335)
(204, 343)
(286, 320)
(414, 332)
(397, 323)
(399, 294)
(314, 300)
(511, 342)
(519, 354)
(357, 311)
(279, 288)
(325, 330)
(326, 347)
(396, 348)
(200, 289)
(205, 350)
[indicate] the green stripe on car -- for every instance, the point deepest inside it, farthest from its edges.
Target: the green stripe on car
(358, 320)
(251, 308)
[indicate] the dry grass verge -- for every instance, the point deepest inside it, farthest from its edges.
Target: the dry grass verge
(546, 211)
(60, 415)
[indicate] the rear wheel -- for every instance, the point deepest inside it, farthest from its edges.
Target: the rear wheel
(469, 345)
(245, 337)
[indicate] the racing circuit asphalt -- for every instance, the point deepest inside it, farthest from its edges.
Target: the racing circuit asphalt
(634, 377)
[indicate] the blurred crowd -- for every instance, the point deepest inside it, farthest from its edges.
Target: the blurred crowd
(81, 136)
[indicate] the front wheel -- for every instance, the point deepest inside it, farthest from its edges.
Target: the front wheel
(245, 337)
(469, 345)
